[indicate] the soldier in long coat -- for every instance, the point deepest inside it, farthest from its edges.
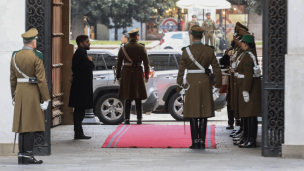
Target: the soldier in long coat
(199, 104)
(131, 76)
(209, 27)
(249, 91)
(189, 26)
(28, 111)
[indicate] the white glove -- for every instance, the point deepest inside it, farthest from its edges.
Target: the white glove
(216, 93)
(44, 105)
(182, 93)
(246, 96)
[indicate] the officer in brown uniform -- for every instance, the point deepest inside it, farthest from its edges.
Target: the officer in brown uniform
(199, 104)
(132, 79)
(249, 90)
(29, 88)
(190, 24)
(239, 31)
(209, 27)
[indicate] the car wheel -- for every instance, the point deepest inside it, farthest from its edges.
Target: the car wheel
(176, 107)
(168, 48)
(109, 109)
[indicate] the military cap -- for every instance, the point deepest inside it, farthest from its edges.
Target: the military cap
(208, 13)
(196, 29)
(247, 39)
(134, 31)
(31, 34)
(242, 33)
(193, 16)
(242, 26)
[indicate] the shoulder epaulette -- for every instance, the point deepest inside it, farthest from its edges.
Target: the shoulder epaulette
(142, 44)
(206, 45)
(212, 47)
(38, 54)
(185, 47)
(15, 53)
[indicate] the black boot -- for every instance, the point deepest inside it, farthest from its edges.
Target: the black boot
(251, 143)
(139, 111)
(238, 122)
(202, 132)
(239, 131)
(194, 133)
(127, 111)
(230, 118)
(26, 147)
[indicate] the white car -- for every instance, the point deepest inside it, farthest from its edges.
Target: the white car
(175, 40)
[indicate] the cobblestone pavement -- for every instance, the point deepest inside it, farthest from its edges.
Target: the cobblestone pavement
(69, 154)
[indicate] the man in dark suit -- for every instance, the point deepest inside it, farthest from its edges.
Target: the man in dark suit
(81, 95)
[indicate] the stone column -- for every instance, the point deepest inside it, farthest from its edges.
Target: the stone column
(12, 26)
(293, 146)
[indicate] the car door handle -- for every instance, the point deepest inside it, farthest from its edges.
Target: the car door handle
(174, 76)
(99, 77)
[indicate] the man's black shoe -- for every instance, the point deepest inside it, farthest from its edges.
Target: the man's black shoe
(127, 122)
(230, 127)
(77, 137)
(27, 158)
(139, 122)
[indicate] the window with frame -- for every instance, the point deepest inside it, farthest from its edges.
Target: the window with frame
(162, 62)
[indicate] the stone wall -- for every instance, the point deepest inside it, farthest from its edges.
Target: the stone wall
(294, 80)
(12, 25)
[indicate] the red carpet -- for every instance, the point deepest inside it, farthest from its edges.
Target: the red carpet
(155, 136)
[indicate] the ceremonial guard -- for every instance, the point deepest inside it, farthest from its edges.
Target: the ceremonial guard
(209, 27)
(249, 90)
(239, 29)
(131, 77)
(30, 95)
(198, 100)
(190, 24)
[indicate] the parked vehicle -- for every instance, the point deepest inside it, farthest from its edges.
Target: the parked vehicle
(165, 64)
(175, 40)
(107, 107)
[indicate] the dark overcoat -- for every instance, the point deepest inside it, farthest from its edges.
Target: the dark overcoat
(81, 94)
(199, 99)
(235, 88)
(132, 84)
(252, 85)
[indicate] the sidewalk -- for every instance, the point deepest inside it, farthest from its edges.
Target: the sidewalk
(69, 154)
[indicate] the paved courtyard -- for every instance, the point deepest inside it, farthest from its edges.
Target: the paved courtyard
(69, 154)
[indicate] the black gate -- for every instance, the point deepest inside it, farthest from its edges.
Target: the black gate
(38, 15)
(274, 50)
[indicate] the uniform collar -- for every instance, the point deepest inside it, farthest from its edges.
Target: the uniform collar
(27, 48)
(197, 42)
(133, 40)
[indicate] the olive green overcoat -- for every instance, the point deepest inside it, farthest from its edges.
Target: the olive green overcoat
(132, 84)
(28, 116)
(252, 85)
(199, 98)
(235, 88)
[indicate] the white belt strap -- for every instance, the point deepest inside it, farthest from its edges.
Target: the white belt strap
(243, 76)
(194, 61)
(22, 80)
(24, 75)
(195, 71)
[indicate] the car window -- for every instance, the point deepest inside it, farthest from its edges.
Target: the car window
(178, 57)
(162, 62)
(110, 60)
(98, 62)
(177, 36)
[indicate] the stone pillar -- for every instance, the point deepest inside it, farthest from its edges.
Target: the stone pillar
(293, 146)
(12, 26)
